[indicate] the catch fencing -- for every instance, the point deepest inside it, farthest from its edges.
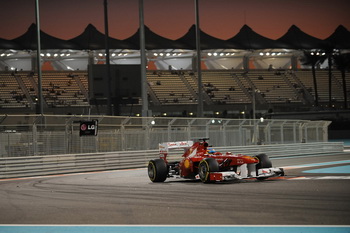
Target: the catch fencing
(38, 135)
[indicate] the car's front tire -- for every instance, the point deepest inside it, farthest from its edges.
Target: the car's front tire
(264, 162)
(205, 167)
(157, 170)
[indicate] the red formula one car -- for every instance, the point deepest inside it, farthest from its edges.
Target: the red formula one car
(202, 162)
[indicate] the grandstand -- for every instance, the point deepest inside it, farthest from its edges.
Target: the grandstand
(248, 68)
(176, 91)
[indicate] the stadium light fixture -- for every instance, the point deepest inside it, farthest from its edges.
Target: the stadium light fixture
(261, 54)
(215, 54)
(155, 54)
(210, 54)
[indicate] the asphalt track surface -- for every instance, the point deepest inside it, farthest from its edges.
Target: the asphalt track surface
(128, 197)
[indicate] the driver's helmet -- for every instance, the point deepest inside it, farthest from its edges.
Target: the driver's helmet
(211, 151)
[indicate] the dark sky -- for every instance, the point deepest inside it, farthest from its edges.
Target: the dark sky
(66, 19)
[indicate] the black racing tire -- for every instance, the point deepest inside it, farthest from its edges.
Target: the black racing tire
(157, 170)
(205, 167)
(264, 162)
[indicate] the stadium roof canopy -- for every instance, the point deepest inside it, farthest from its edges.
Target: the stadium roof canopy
(246, 39)
(297, 39)
(207, 41)
(92, 39)
(28, 40)
(8, 44)
(154, 41)
(340, 38)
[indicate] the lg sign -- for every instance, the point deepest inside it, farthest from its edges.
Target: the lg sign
(88, 128)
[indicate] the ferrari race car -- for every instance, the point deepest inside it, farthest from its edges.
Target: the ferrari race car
(200, 161)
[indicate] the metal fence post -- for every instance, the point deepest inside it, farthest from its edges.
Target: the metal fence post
(224, 126)
(169, 129)
(294, 133)
(35, 139)
(325, 130)
(282, 132)
(242, 138)
(122, 133)
(189, 132)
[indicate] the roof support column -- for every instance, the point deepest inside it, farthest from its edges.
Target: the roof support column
(199, 71)
(144, 85)
(40, 108)
(108, 64)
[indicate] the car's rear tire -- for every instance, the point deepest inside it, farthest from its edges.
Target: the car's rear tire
(205, 167)
(264, 162)
(157, 170)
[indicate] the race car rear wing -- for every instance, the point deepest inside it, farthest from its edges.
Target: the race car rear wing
(165, 146)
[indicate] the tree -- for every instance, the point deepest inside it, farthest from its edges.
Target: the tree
(342, 62)
(313, 59)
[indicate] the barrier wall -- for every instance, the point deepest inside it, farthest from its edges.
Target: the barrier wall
(15, 167)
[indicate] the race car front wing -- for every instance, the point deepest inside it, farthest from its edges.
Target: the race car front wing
(261, 173)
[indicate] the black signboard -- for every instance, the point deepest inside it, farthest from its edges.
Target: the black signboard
(88, 128)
